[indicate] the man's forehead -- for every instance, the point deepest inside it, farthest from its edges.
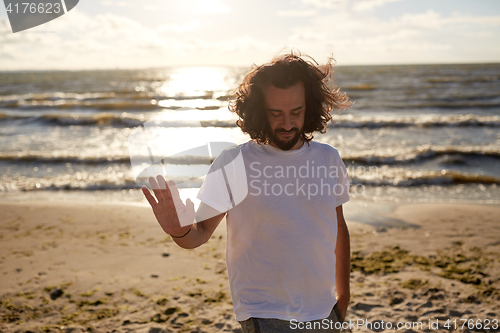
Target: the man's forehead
(273, 91)
(283, 97)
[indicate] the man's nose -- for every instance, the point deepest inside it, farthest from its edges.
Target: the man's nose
(287, 125)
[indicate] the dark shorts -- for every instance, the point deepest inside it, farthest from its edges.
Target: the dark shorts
(265, 325)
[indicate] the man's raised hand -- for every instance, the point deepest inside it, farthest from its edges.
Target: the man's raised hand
(174, 217)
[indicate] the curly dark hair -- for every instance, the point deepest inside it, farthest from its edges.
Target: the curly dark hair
(284, 72)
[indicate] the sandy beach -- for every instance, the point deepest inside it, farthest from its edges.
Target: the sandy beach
(73, 267)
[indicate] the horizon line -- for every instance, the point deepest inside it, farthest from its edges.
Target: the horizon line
(493, 62)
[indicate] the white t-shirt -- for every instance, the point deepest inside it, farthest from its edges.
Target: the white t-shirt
(281, 227)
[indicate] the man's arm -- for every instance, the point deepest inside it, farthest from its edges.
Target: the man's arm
(200, 232)
(343, 265)
(178, 219)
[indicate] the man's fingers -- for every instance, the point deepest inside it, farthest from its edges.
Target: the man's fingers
(163, 186)
(156, 188)
(174, 192)
(148, 196)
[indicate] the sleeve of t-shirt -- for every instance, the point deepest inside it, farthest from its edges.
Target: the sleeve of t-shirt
(214, 190)
(342, 187)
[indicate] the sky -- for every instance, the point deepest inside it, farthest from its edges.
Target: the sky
(99, 34)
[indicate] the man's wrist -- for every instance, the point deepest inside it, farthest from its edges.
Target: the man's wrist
(185, 234)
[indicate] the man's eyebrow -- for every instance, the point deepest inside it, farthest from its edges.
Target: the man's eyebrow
(296, 109)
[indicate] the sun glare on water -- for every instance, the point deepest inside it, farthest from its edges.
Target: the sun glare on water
(192, 82)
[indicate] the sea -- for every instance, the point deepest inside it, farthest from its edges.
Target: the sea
(415, 133)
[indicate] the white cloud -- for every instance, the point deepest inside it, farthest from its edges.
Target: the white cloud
(411, 38)
(212, 7)
(433, 20)
(356, 5)
(370, 4)
(427, 20)
(110, 40)
(296, 13)
(179, 27)
(117, 3)
(492, 20)
(79, 41)
(326, 3)
(113, 41)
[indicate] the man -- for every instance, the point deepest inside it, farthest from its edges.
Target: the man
(288, 252)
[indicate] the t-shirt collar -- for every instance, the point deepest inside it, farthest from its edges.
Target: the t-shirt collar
(275, 150)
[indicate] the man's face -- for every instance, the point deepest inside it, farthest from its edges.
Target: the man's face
(285, 110)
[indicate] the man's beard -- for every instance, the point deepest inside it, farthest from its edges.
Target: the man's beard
(288, 144)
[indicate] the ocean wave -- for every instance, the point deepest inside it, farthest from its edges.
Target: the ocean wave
(420, 154)
(47, 159)
(106, 119)
(361, 87)
(107, 101)
(73, 119)
(55, 96)
(404, 102)
(101, 119)
(99, 182)
(422, 178)
(107, 182)
(116, 94)
(454, 79)
(68, 186)
(409, 156)
(351, 121)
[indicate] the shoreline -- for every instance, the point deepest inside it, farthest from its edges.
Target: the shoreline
(371, 210)
(116, 270)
